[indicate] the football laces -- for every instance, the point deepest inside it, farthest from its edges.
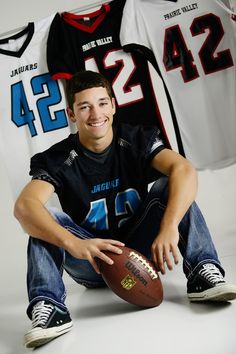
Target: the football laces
(136, 257)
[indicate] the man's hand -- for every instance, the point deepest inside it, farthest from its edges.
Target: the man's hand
(182, 189)
(164, 244)
(91, 248)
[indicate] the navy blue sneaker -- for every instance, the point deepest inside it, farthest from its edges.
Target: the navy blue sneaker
(209, 285)
(48, 322)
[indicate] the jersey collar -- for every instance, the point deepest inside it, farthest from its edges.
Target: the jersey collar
(29, 31)
(79, 21)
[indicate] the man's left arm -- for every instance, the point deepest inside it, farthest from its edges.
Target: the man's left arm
(182, 186)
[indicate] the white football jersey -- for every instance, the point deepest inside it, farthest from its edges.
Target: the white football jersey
(32, 106)
(194, 45)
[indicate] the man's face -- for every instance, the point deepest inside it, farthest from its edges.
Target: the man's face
(93, 114)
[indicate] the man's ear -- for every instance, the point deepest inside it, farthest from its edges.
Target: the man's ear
(70, 114)
(113, 102)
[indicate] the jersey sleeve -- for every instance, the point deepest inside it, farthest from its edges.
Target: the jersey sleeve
(154, 143)
(133, 33)
(133, 28)
(145, 142)
(153, 146)
(150, 143)
(42, 168)
(60, 63)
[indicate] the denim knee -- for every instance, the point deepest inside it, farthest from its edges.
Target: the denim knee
(58, 215)
(159, 190)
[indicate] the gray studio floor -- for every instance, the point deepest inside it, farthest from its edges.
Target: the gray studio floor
(103, 323)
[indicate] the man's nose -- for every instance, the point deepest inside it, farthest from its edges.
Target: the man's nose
(95, 112)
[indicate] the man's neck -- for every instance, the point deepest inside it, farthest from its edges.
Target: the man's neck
(96, 145)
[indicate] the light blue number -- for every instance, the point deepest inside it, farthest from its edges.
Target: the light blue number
(97, 216)
(21, 114)
(124, 200)
(54, 97)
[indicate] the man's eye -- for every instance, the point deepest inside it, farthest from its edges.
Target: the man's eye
(83, 108)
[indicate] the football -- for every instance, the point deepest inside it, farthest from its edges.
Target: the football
(133, 278)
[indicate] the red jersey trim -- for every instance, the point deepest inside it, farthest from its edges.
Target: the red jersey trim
(73, 18)
(57, 76)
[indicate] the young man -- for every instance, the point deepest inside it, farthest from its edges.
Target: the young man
(100, 175)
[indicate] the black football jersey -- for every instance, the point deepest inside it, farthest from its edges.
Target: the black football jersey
(100, 195)
(91, 41)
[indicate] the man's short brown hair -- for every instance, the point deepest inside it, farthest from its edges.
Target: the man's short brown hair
(84, 80)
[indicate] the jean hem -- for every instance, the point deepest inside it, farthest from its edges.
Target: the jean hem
(193, 272)
(41, 298)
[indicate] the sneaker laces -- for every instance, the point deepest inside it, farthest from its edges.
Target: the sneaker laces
(41, 313)
(211, 273)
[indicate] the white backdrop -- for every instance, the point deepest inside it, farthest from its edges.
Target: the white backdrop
(217, 189)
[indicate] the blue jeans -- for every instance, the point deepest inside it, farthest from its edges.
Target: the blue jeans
(46, 262)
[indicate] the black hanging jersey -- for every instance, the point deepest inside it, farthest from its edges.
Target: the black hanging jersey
(91, 41)
(100, 195)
